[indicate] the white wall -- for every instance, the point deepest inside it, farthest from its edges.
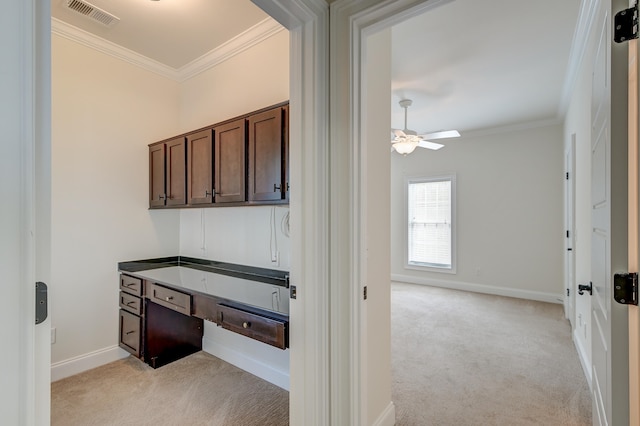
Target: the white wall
(256, 78)
(509, 212)
(244, 235)
(105, 112)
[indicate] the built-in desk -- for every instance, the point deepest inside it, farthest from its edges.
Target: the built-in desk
(165, 301)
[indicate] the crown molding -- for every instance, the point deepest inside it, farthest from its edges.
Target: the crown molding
(243, 41)
(516, 127)
(99, 44)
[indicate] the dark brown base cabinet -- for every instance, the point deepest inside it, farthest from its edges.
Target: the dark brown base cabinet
(159, 324)
(157, 333)
(240, 161)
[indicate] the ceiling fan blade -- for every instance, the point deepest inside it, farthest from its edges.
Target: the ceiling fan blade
(398, 132)
(430, 145)
(392, 148)
(441, 135)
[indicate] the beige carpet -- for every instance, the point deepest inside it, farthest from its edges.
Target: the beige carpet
(462, 358)
(197, 390)
(458, 359)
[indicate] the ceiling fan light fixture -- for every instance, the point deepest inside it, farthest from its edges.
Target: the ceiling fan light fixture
(405, 147)
(405, 144)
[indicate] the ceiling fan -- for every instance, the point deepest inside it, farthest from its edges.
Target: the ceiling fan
(405, 141)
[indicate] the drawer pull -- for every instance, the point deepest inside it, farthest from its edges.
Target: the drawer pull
(130, 284)
(130, 332)
(168, 298)
(131, 303)
(246, 324)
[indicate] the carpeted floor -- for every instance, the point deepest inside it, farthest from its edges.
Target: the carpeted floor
(197, 390)
(462, 358)
(458, 359)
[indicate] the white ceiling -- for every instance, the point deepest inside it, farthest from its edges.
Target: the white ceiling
(467, 64)
(172, 32)
(472, 64)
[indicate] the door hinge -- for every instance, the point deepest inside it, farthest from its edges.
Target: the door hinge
(567, 176)
(625, 288)
(568, 292)
(625, 25)
(41, 302)
(364, 292)
(293, 292)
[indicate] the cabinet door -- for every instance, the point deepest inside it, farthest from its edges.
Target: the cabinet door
(130, 332)
(200, 168)
(230, 162)
(285, 143)
(157, 196)
(176, 172)
(266, 156)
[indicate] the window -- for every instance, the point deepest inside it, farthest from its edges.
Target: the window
(431, 219)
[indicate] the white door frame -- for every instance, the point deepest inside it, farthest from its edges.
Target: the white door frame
(350, 24)
(570, 227)
(24, 111)
(308, 22)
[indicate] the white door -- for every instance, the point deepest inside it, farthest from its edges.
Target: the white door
(569, 209)
(610, 368)
(600, 221)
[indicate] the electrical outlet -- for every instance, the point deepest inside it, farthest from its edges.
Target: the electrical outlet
(53, 335)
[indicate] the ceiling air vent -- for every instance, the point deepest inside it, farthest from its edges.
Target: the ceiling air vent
(93, 12)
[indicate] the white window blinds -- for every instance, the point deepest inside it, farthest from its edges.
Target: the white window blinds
(430, 224)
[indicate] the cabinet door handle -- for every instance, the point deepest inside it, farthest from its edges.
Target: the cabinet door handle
(276, 188)
(130, 332)
(168, 298)
(246, 324)
(212, 193)
(162, 197)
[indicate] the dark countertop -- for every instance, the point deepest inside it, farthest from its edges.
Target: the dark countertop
(258, 287)
(264, 275)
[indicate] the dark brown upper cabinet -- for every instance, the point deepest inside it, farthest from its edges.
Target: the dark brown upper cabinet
(267, 156)
(167, 179)
(230, 169)
(241, 161)
(200, 167)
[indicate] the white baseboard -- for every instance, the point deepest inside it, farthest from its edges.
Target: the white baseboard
(585, 362)
(388, 416)
(244, 361)
(481, 288)
(72, 366)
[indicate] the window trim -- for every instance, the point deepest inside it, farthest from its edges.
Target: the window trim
(433, 178)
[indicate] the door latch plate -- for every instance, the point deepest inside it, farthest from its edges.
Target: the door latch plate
(41, 302)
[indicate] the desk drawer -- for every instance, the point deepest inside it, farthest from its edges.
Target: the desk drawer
(266, 330)
(131, 303)
(131, 284)
(169, 298)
